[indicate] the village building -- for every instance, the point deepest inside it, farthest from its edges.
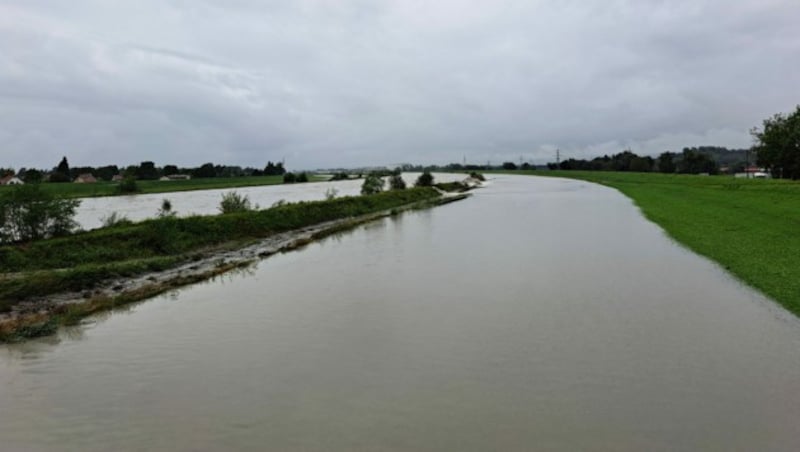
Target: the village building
(85, 178)
(176, 177)
(11, 180)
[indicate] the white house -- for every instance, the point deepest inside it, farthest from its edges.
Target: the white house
(11, 180)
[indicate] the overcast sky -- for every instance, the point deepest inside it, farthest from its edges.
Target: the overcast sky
(346, 83)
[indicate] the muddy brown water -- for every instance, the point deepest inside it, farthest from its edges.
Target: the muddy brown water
(540, 314)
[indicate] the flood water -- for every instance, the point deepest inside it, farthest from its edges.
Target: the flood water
(92, 211)
(540, 314)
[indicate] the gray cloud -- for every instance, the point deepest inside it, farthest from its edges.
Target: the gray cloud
(325, 83)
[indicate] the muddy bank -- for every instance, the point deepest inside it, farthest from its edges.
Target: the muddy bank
(43, 315)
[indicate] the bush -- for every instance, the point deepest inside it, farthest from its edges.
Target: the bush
(128, 185)
(396, 182)
(234, 202)
(477, 176)
(424, 180)
(302, 177)
(115, 219)
(29, 213)
(289, 178)
(166, 209)
(372, 184)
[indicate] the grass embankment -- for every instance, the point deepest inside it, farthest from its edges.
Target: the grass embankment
(103, 188)
(751, 227)
(82, 261)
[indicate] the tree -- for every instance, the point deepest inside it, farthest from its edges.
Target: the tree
(696, 162)
(396, 182)
(424, 180)
(509, 166)
(778, 145)
(373, 183)
(32, 176)
(205, 170)
(169, 170)
(147, 171)
(289, 178)
(28, 212)
(61, 172)
(665, 163)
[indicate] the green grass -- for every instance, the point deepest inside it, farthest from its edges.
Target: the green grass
(750, 227)
(103, 188)
(80, 261)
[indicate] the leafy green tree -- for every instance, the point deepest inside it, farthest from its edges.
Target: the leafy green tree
(302, 177)
(289, 178)
(665, 163)
(28, 212)
(32, 176)
(206, 170)
(169, 170)
(778, 145)
(147, 171)
(373, 183)
(509, 166)
(424, 180)
(396, 182)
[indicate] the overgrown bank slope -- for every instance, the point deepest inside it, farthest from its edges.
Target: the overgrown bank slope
(751, 227)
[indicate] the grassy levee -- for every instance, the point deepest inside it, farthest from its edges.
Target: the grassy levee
(103, 188)
(81, 261)
(750, 227)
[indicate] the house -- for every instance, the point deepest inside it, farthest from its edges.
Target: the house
(176, 177)
(11, 180)
(85, 178)
(117, 178)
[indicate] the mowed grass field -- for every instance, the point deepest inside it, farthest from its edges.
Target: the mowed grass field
(750, 227)
(103, 188)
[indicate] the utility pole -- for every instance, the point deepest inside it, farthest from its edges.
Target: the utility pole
(558, 157)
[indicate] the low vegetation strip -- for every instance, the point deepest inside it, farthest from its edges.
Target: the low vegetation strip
(103, 188)
(80, 261)
(748, 226)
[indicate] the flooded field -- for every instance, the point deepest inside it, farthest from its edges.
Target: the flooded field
(92, 211)
(540, 314)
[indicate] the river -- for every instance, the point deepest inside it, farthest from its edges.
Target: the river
(539, 314)
(92, 211)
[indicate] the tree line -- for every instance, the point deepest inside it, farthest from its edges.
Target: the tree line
(146, 170)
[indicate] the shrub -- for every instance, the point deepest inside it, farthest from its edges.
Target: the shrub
(424, 180)
(234, 202)
(28, 213)
(302, 177)
(372, 184)
(128, 185)
(331, 193)
(477, 176)
(289, 178)
(166, 209)
(115, 219)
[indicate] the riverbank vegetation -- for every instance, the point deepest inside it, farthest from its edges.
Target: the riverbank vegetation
(749, 226)
(84, 260)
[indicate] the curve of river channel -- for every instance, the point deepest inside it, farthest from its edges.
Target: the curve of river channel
(540, 314)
